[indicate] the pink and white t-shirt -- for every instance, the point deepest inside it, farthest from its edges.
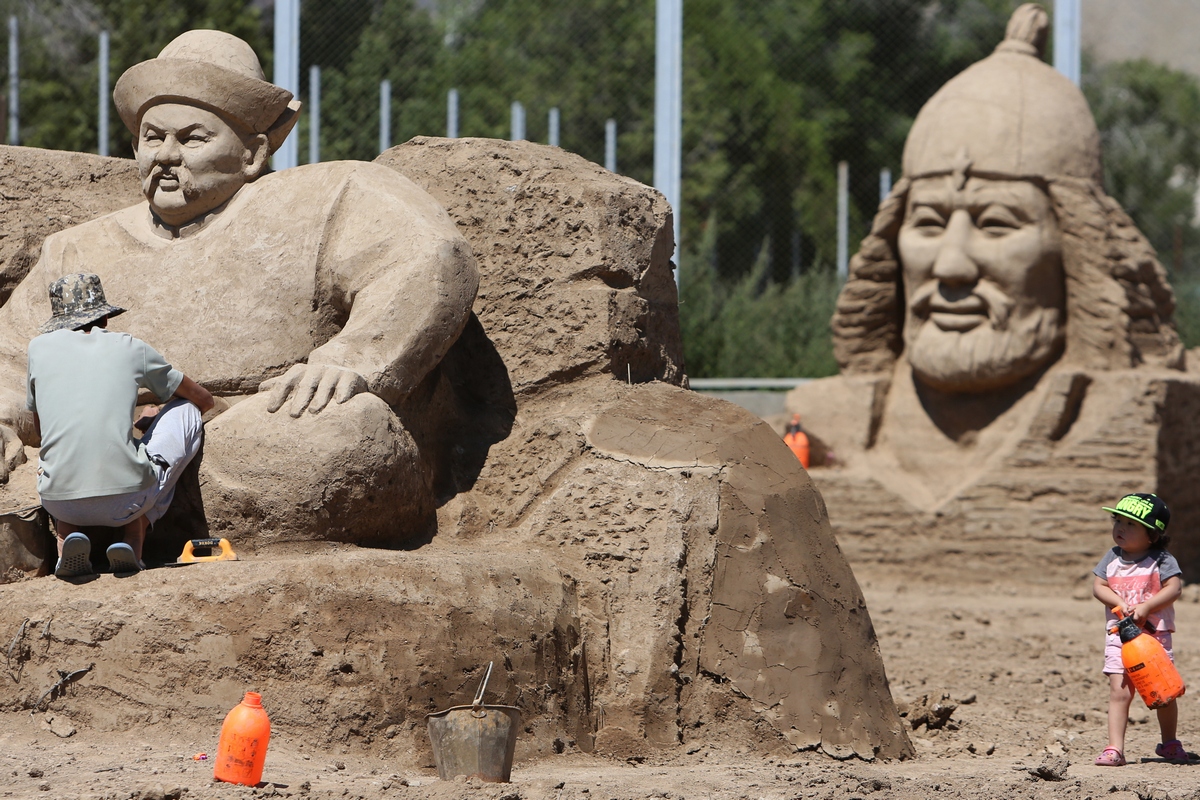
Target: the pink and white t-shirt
(1136, 581)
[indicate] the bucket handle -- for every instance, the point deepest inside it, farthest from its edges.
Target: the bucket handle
(477, 709)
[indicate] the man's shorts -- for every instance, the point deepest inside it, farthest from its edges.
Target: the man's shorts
(172, 441)
(1112, 651)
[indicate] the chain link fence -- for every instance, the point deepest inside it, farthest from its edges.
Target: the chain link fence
(776, 94)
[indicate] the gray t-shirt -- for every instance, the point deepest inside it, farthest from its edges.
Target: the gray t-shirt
(84, 388)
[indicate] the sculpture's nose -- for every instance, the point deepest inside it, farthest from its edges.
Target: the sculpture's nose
(954, 266)
(169, 151)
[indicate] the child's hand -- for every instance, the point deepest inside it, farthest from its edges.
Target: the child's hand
(1139, 613)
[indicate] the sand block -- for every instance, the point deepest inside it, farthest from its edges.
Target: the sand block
(345, 645)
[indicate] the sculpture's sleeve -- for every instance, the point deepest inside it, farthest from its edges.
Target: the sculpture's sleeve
(393, 262)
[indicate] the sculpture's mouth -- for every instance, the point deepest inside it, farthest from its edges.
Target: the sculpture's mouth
(958, 315)
(166, 179)
(957, 322)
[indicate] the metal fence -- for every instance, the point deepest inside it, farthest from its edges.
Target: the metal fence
(776, 94)
(784, 102)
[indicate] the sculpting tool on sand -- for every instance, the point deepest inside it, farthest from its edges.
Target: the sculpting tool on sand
(224, 551)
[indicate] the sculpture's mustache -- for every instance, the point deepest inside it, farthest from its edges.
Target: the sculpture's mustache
(168, 172)
(985, 297)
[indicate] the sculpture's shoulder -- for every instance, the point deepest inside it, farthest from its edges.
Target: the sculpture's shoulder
(123, 218)
(114, 228)
(316, 186)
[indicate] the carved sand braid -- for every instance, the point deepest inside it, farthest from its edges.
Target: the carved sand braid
(868, 324)
(1119, 303)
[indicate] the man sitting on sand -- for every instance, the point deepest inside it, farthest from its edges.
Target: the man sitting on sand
(82, 388)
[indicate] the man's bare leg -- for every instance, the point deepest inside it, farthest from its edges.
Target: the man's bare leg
(61, 531)
(135, 534)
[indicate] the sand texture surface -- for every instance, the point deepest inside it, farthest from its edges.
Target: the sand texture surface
(1021, 663)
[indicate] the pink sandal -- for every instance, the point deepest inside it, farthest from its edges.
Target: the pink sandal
(1172, 751)
(1111, 757)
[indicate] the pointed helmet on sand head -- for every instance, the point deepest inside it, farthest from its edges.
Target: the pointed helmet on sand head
(1013, 117)
(1010, 115)
(214, 70)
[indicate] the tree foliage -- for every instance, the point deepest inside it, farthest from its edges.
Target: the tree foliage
(59, 48)
(1149, 120)
(776, 93)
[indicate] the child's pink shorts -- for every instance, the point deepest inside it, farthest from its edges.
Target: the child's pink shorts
(1112, 651)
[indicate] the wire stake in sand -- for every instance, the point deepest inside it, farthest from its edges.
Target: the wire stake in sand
(17, 638)
(64, 680)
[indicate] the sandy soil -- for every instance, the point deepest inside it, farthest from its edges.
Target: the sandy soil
(1022, 663)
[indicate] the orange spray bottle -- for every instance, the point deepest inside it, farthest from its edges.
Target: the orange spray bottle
(1147, 664)
(243, 746)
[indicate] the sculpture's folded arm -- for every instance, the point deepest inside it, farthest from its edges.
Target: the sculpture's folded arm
(394, 261)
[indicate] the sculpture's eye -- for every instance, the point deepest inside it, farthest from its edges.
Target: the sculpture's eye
(152, 137)
(927, 220)
(998, 220)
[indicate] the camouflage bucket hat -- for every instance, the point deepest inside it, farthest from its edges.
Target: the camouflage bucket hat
(77, 300)
(1147, 509)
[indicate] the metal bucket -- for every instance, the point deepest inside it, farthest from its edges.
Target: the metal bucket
(476, 740)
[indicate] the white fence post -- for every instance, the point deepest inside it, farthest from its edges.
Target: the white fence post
(553, 124)
(668, 108)
(843, 221)
(610, 145)
(102, 98)
(14, 84)
(518, 121)
(314, 114)
(287, 70)
(452, 114)
(385, 115)
(1067, 14)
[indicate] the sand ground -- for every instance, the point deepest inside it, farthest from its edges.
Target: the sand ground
(1022, 663)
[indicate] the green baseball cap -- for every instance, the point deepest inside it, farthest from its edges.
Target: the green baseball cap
(1147, 509)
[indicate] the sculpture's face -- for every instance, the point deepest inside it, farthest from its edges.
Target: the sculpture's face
(983, 282)
(191, 161)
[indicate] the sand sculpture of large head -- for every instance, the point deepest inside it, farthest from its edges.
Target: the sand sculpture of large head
(204, 121)
(998, 252)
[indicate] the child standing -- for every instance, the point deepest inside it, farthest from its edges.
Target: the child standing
(1141, 577)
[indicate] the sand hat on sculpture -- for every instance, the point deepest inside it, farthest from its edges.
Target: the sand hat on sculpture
(1009, 116)
(214, 70)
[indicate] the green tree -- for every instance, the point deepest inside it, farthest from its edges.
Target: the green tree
(400, 43)
(1149, 120)
(59, 47)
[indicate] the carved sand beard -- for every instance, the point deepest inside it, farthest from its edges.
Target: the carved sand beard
(994, 354)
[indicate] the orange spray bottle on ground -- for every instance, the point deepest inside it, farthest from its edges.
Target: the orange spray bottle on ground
(1147, 664)
(797, 441)
(243, 746)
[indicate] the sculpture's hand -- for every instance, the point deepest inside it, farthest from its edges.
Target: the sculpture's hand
(312, 386)
(14, 452)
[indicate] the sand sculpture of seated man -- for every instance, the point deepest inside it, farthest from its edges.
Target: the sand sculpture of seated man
(339, 287)
(997, 279)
